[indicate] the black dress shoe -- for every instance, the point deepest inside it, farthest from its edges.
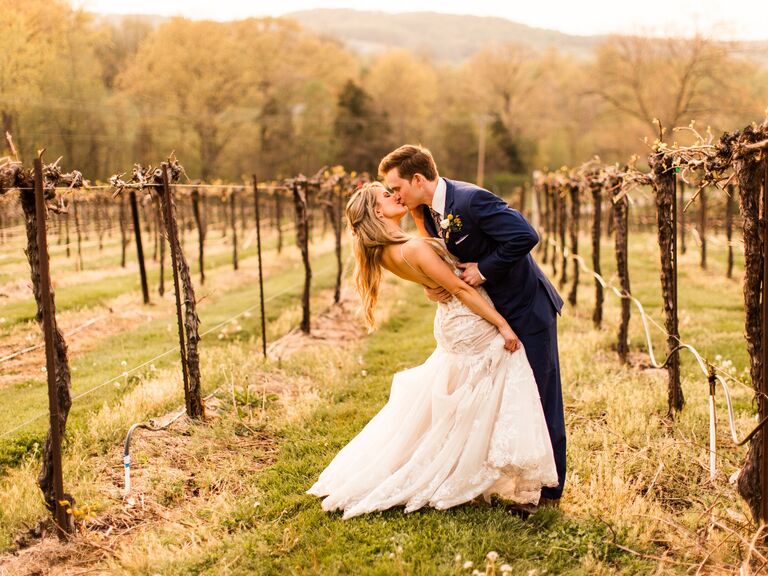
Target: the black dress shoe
(522, 510)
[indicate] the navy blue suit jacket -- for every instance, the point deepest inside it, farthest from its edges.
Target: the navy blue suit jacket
(500, 240)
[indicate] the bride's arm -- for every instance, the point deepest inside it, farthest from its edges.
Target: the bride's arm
(424, 258)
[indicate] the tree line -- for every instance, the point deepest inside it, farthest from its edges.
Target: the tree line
(266, 93)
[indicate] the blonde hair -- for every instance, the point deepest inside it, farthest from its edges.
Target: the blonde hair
(370, 235)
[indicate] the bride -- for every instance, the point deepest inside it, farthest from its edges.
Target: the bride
(468, 422)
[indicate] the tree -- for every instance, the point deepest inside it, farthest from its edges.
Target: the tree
(361, 133)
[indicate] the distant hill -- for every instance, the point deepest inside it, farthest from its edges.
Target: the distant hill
(445, 37)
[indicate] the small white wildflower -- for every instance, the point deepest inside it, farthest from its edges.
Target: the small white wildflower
(117, 384)
(44, 369)
(505, 568)
(391, 554)
(363, 372)
(123, 363)
(718, 357)
(492, 556)
(477, 573)
(152, 368)
(468, 564)
(533, 572)
(247, 314)
(399, 549)
(457, 558)
(221, 336)
(2, 320)
(256, 504)
(124, 374)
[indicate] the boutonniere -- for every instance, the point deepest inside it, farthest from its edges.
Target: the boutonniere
(451, 223)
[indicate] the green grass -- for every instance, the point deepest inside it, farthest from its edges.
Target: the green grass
(638, 498)
(133, 347)
(424, 542)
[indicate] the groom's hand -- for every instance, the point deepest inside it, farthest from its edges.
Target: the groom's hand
(438, 294)
(471, 274)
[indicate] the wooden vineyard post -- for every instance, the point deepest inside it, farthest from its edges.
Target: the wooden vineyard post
(563, 221)
(66, 230)
(621, 221)
(751, 174)
(763, 404)
(302, 239)
(75, 212)
(123, 231)
(57, 366)
(547, 221)
(681, 213)
(703, 226)
(729, 228)
(199, 214)
(139, 247)
(190, 360)
(160, 245)
(664, 180)
(257, 213)
(575, 189)
(334, 210)
(555, 227)
(597, 191)
(278, 218)
(233, 222)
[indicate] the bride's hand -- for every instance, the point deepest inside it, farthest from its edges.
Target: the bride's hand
(511, 341)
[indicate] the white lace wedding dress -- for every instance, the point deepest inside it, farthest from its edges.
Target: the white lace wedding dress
(468, 422)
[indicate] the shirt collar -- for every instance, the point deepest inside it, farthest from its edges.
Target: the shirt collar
(438, 200)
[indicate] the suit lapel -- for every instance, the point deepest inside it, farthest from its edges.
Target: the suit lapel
(450, 196)
(428, 222)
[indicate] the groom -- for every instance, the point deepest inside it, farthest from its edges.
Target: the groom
(493, 242)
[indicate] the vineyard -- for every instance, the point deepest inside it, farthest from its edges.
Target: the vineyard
(181, 358)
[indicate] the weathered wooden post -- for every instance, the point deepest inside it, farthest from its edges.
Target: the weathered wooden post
(729, 228)
(681, 212)
(190, 360)
(302, 239)
(233, 221)
(123, 231)
(597, 200)
(575, 190)
(621, 233)
(257, 213)
(664, 180)
(555, 225)
(279, 218)
(752, 173)
(51, 479)
(75, 213)
(563, 220)
(199, 214)
(703, 226)
(160, 239)
(139, 246)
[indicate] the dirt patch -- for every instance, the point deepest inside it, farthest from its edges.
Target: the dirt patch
(338, 326)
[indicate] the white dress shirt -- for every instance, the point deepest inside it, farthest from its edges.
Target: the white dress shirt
(438, 200)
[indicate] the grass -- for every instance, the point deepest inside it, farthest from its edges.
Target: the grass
(133, 347)
(229, 497)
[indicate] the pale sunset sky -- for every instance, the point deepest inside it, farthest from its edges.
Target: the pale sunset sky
(730, 19)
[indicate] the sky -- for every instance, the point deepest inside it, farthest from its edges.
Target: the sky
(729, 19)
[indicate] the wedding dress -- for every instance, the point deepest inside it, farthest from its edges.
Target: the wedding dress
(468, 422)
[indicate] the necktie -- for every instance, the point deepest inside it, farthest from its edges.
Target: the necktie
(436, 217)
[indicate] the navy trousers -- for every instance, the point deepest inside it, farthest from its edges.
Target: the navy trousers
(541, 349)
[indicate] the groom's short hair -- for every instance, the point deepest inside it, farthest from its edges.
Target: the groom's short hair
(410, 159)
